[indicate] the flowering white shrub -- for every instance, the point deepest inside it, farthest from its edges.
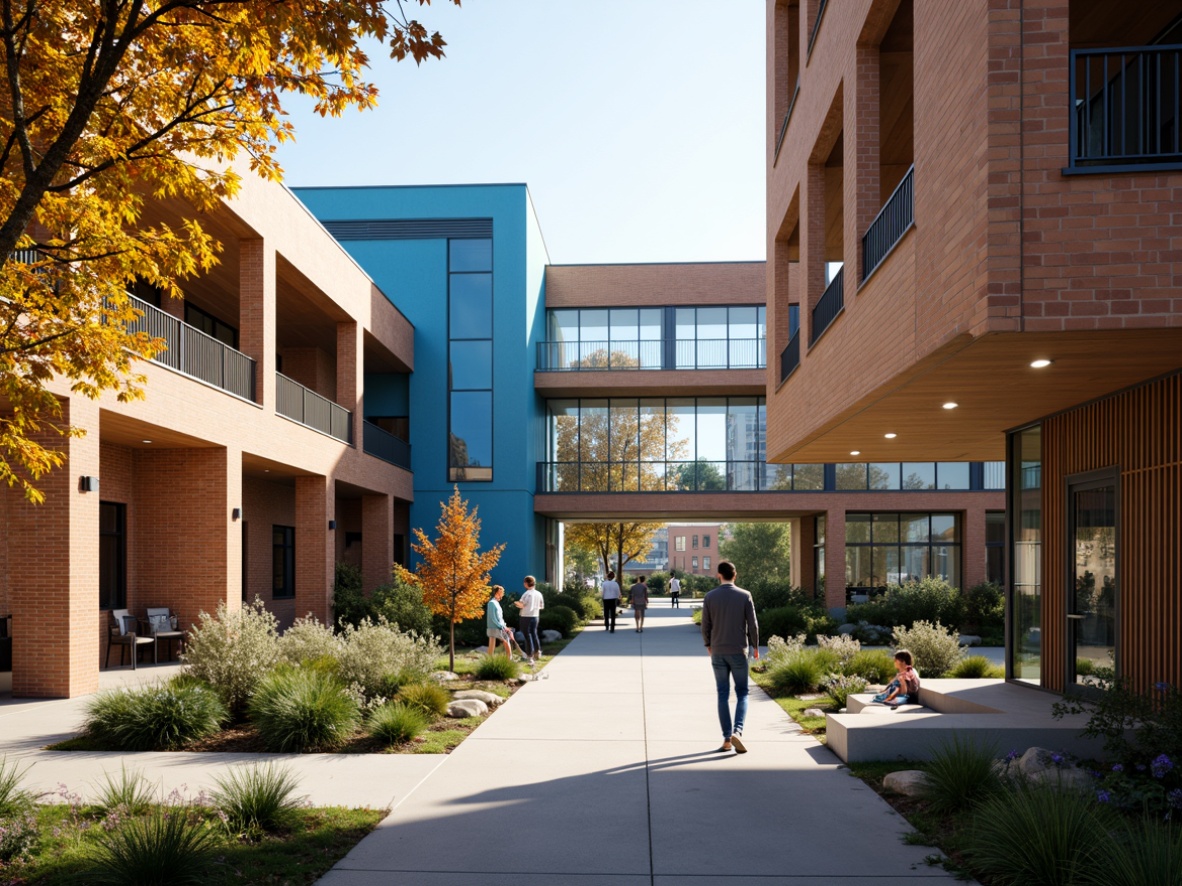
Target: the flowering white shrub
(373, 651)
(307, 640)
(843, 646)
(780, 650)
(233, 650)
(935, 648)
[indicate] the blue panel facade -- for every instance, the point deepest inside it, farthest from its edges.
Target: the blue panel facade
(413, 272)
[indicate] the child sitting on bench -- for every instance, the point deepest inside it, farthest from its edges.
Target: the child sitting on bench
(905, 687)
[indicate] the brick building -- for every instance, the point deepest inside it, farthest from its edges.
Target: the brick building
(973, 241)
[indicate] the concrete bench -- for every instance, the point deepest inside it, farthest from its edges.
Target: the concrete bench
(865, 704)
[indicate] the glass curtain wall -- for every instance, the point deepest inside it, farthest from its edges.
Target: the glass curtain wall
(470, 330)
(1025, 485)
(892, 548)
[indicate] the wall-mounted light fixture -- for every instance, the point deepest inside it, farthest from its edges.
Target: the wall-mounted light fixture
(236, 514)
(332, 524)
(88, 484)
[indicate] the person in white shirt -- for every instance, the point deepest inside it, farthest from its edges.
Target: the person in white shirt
(531, 604)
(610, 591)
(675, 590)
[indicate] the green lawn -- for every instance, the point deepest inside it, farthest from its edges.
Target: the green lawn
(795, 707)
(317, 839)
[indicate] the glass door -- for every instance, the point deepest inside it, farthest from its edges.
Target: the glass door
(1093, 595)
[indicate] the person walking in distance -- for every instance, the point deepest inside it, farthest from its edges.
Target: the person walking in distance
(531, 604)
(729, 626)
(494, 622)
(610, 591)
(674, 590)
(638, 594)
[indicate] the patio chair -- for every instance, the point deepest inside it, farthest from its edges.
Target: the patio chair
(126, 634)
(163, 625)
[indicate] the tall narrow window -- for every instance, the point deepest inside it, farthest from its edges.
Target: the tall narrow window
(1025, 489)
(282, 562)
(112, 555)
(470, 375)
(995, 547)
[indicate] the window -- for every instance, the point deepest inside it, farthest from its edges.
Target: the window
(720, 337)
(695, 542)
(995, 547)
(705, 564)
(210, 325)
(952, 475)
(112, 555)
(1024, 481)
(695, 563)
(705, 541)
(892, 548)
(282, 562)
(470, 360)
(679, 543)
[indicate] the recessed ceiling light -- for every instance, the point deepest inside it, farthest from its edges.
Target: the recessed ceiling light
(1041, 363)
(950, 405)
(145, 441)
(855, 452)
(266, 470)
(890, 436)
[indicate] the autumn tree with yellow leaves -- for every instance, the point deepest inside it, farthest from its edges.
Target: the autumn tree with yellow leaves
(109, 107)
(453, 574)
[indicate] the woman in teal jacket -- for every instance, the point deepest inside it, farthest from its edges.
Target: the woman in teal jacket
(494, 622)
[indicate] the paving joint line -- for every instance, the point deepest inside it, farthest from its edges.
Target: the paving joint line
(648, 793)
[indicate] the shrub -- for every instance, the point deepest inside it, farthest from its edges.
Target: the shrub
(372, 651)
(1038, 834)
(18, 835)
(696, 617)
(976, 667)
(558, 618)
(130, 793)
(872, 665)
(959, 775)
(13, 798)
(153, 718)
(168, 845)
(497, 667)
(233, 650)
(936, 649)
(401, 604)
(1136, 726)
(840, 687)
(841, 646)
(307, 640)
(349, 603)
(256, 799)
(431, 698)
(984, 608)
(395, 723)
(784, 621)
(931, 599)
(303, 710)
(1144, 852)
(769, 594)
(1085, 667)
(799, 672)
(780, 649)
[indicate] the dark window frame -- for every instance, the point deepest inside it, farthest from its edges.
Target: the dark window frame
(899, 544)
(284, 548)
(118, 600)
(470, 473)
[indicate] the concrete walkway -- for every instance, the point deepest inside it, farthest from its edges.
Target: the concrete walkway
(606, 774)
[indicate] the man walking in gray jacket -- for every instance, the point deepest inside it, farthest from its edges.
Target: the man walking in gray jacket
(728, 627)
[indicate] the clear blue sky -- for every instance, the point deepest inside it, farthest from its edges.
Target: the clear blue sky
(638, 124)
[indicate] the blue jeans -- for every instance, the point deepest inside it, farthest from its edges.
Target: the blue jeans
(726, 667)
(529, 627)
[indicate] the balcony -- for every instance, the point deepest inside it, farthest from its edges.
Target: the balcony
(603, 356)
(895, 219)
(305, 406)
(831, 304)
(790, 356)
(1125, 109)
(384, 445)
(193, 353)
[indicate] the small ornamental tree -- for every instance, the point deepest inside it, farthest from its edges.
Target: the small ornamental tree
(453, 574)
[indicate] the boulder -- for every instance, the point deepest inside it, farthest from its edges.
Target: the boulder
(847, 628)
(525, 678)
(1069, 777)
(467, 707)
(813, 712)
(489, 698)
(444, 676)
(908, 782)
(549, 636)
(969, 640)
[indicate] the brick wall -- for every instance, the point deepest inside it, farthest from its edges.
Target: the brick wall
(721, 283)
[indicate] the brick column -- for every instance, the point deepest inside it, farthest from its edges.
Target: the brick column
(53, 569)
(377, 539)
(972, 547)
(862, 150)
(315, 546)
(835, 558)
(256, 314)
(812, 246)
(350, 367)
(807, 576)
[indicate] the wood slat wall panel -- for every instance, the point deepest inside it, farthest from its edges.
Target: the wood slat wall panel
(1139, 431)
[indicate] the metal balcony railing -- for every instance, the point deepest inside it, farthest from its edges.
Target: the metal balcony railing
(816, 25)
(831, 304)
(790, 356)
(787, 117)
(896, 217)
(193, 353)
(1125, 106)
(300, 404)
(601, 356)
(382, 444)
